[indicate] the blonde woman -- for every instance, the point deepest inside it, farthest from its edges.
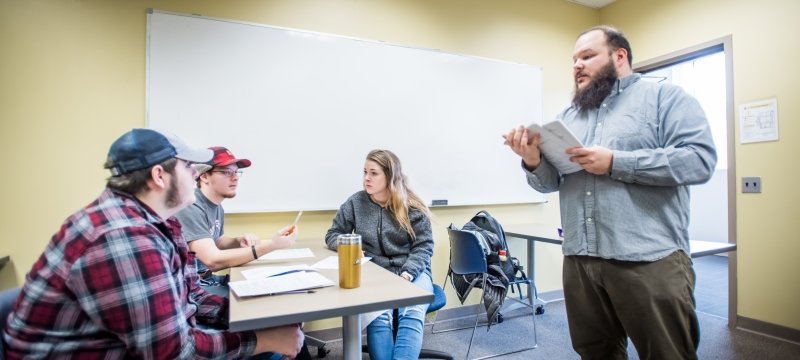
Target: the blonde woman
(395, 230)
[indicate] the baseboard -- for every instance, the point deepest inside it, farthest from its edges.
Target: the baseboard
(768, 329)
(763, 328)
(326, 335)
(554, 295)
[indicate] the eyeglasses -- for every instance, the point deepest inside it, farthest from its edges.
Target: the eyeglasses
(229, 173)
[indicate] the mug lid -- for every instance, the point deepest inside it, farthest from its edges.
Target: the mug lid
(348, 239)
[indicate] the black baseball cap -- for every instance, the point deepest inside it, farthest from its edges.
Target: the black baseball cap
(142, 148)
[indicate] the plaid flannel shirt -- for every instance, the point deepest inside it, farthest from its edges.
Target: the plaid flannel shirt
(118, 282)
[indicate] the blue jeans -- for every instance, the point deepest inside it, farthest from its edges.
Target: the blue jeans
(381, 341)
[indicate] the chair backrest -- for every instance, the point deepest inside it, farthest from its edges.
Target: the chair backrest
(7, 299)
(466, 253)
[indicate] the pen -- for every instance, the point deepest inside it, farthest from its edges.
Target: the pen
(294, 224)
(289, 272)
(293, 292)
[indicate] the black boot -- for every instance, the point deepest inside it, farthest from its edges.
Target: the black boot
(303, 354)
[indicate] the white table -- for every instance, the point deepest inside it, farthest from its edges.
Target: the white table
(533, 232)
(379, 290)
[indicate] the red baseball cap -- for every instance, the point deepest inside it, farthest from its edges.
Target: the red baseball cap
(224, 157)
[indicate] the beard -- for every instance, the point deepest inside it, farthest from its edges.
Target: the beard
(173, 194)
(229, 195)
(592, 96)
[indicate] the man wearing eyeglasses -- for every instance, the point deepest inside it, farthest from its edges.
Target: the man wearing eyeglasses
(203, 223)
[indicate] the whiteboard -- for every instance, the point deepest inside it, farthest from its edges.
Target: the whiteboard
(307, 107)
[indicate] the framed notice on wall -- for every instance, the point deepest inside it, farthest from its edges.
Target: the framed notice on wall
(758, 121)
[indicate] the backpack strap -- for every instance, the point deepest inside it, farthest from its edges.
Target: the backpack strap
(496, 228)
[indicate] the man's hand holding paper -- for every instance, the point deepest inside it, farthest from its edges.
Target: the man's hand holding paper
(526, 145)
(595, 160)
(551, 140)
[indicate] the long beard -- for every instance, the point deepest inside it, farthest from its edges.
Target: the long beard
(593, 95)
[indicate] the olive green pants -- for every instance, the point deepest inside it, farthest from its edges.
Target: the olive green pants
(608, 301)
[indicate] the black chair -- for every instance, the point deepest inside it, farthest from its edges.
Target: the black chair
(467, 257)
(439, 300)
(7, 298)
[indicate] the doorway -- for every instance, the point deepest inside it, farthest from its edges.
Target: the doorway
(705, 71)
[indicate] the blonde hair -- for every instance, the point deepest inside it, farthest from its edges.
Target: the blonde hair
(401, 198)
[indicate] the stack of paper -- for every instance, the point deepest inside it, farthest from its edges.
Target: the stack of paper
(292, 282)
(554, 141)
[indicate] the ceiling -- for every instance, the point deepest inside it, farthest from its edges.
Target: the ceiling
(597, 4)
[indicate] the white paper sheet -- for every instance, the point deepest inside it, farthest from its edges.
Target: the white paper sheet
(330, 262)
(283, 284)
(267, 271)
(555, 140)
(284, 254)
(758, 121)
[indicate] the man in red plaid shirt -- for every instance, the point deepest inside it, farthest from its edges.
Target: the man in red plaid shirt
(117, 280)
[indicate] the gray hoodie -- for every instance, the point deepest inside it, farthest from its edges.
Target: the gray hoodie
(381, 236)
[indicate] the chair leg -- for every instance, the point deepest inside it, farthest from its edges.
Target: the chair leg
(433, 324)
(532, 305)
(532, 302)
(477, 316)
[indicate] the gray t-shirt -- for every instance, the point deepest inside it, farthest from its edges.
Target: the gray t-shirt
(202, 220)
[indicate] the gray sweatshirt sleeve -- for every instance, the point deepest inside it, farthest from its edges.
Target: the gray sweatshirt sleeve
(343, 223)
(382, 238)
(419, 259)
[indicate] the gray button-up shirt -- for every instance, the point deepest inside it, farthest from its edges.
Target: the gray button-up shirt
(661, 143)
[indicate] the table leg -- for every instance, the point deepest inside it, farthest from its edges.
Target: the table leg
(531, 264)
(532, 272)
(351, 337)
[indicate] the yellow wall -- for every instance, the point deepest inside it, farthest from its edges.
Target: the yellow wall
(73, 80)
(765, 54)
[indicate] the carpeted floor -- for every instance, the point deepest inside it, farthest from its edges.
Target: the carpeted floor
(717, 341)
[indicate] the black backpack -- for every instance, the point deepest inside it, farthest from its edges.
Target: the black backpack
(484, 225)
